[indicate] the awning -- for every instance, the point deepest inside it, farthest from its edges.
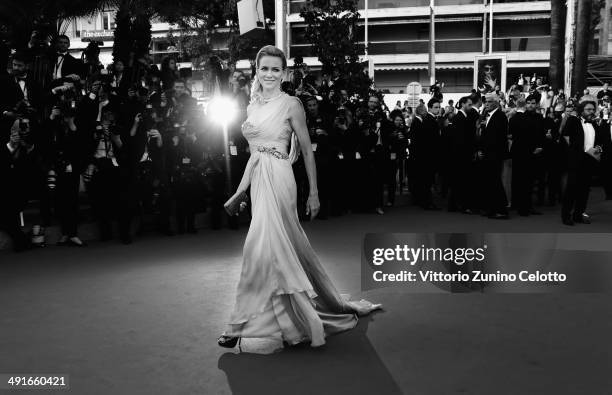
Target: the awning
(600, 64)
(599, 69)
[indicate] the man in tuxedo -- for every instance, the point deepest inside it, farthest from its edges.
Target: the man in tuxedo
(462, 154)
(493, 145)
(20, 94)
(527, 130)
(63, 63)
(584, 152)
(425, 144)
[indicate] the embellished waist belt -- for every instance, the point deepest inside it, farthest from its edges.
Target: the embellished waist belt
(272, 151)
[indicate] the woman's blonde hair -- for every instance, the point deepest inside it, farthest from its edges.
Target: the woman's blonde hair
(268, 50)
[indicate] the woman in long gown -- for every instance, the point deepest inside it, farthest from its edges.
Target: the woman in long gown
(283, 290)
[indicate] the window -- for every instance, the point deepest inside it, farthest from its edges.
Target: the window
(107, 20)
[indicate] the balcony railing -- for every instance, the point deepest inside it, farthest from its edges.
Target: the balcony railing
(295, 6)
(412, 3)
(504, 44)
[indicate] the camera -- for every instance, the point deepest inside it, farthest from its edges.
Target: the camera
(242, 81)
(23, 125)
(24, 131)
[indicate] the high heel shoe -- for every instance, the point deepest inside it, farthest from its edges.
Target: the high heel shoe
(228, 341)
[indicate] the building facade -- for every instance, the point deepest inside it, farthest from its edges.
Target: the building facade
(398, 39)
(398, 43)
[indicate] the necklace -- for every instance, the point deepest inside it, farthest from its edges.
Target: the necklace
(272, 98)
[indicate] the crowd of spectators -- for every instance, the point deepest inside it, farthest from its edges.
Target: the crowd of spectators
(131, 142)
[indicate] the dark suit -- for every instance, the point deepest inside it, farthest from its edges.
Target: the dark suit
(494, 146)
(461, 140)
(12, 94)
(343, 146)
(67, 153)
(425, 143)
(527, 135)
(323, 159)
(554, 159)
(581, 167)
(69, 65)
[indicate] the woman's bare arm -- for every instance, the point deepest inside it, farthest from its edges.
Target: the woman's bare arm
(297, 118)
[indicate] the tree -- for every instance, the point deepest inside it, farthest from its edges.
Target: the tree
(583, 35)
(199, 21)
(557, 44)
(19, 18)
(331, 27)
(132, 35)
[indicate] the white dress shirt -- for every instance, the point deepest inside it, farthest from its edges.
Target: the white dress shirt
(59, 61)
(22, 86)
(489, 115)
(589, 135)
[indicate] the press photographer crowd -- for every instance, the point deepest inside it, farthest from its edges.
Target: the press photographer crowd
(131, 142)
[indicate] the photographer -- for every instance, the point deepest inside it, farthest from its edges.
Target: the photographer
(90, 58)
(169, 72)
(118, 80)
(185, 158)
(213, 165)
(436, 91)
(397, 143)
(65, 151)
(110, 184)
(179, 104)
(64, 65)
(146, 157)
(376, 152)
(20, 94)
(16, 162)
(319, 129)
(364, 138)
(344, 140)
(240, 89)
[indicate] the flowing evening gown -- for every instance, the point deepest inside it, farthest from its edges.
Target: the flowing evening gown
(283, 290)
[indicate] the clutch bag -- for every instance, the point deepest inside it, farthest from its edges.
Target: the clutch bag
(233, 208)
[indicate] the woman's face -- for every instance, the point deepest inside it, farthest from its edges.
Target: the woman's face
(270, 72)
(399, 122)
(172, 64)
